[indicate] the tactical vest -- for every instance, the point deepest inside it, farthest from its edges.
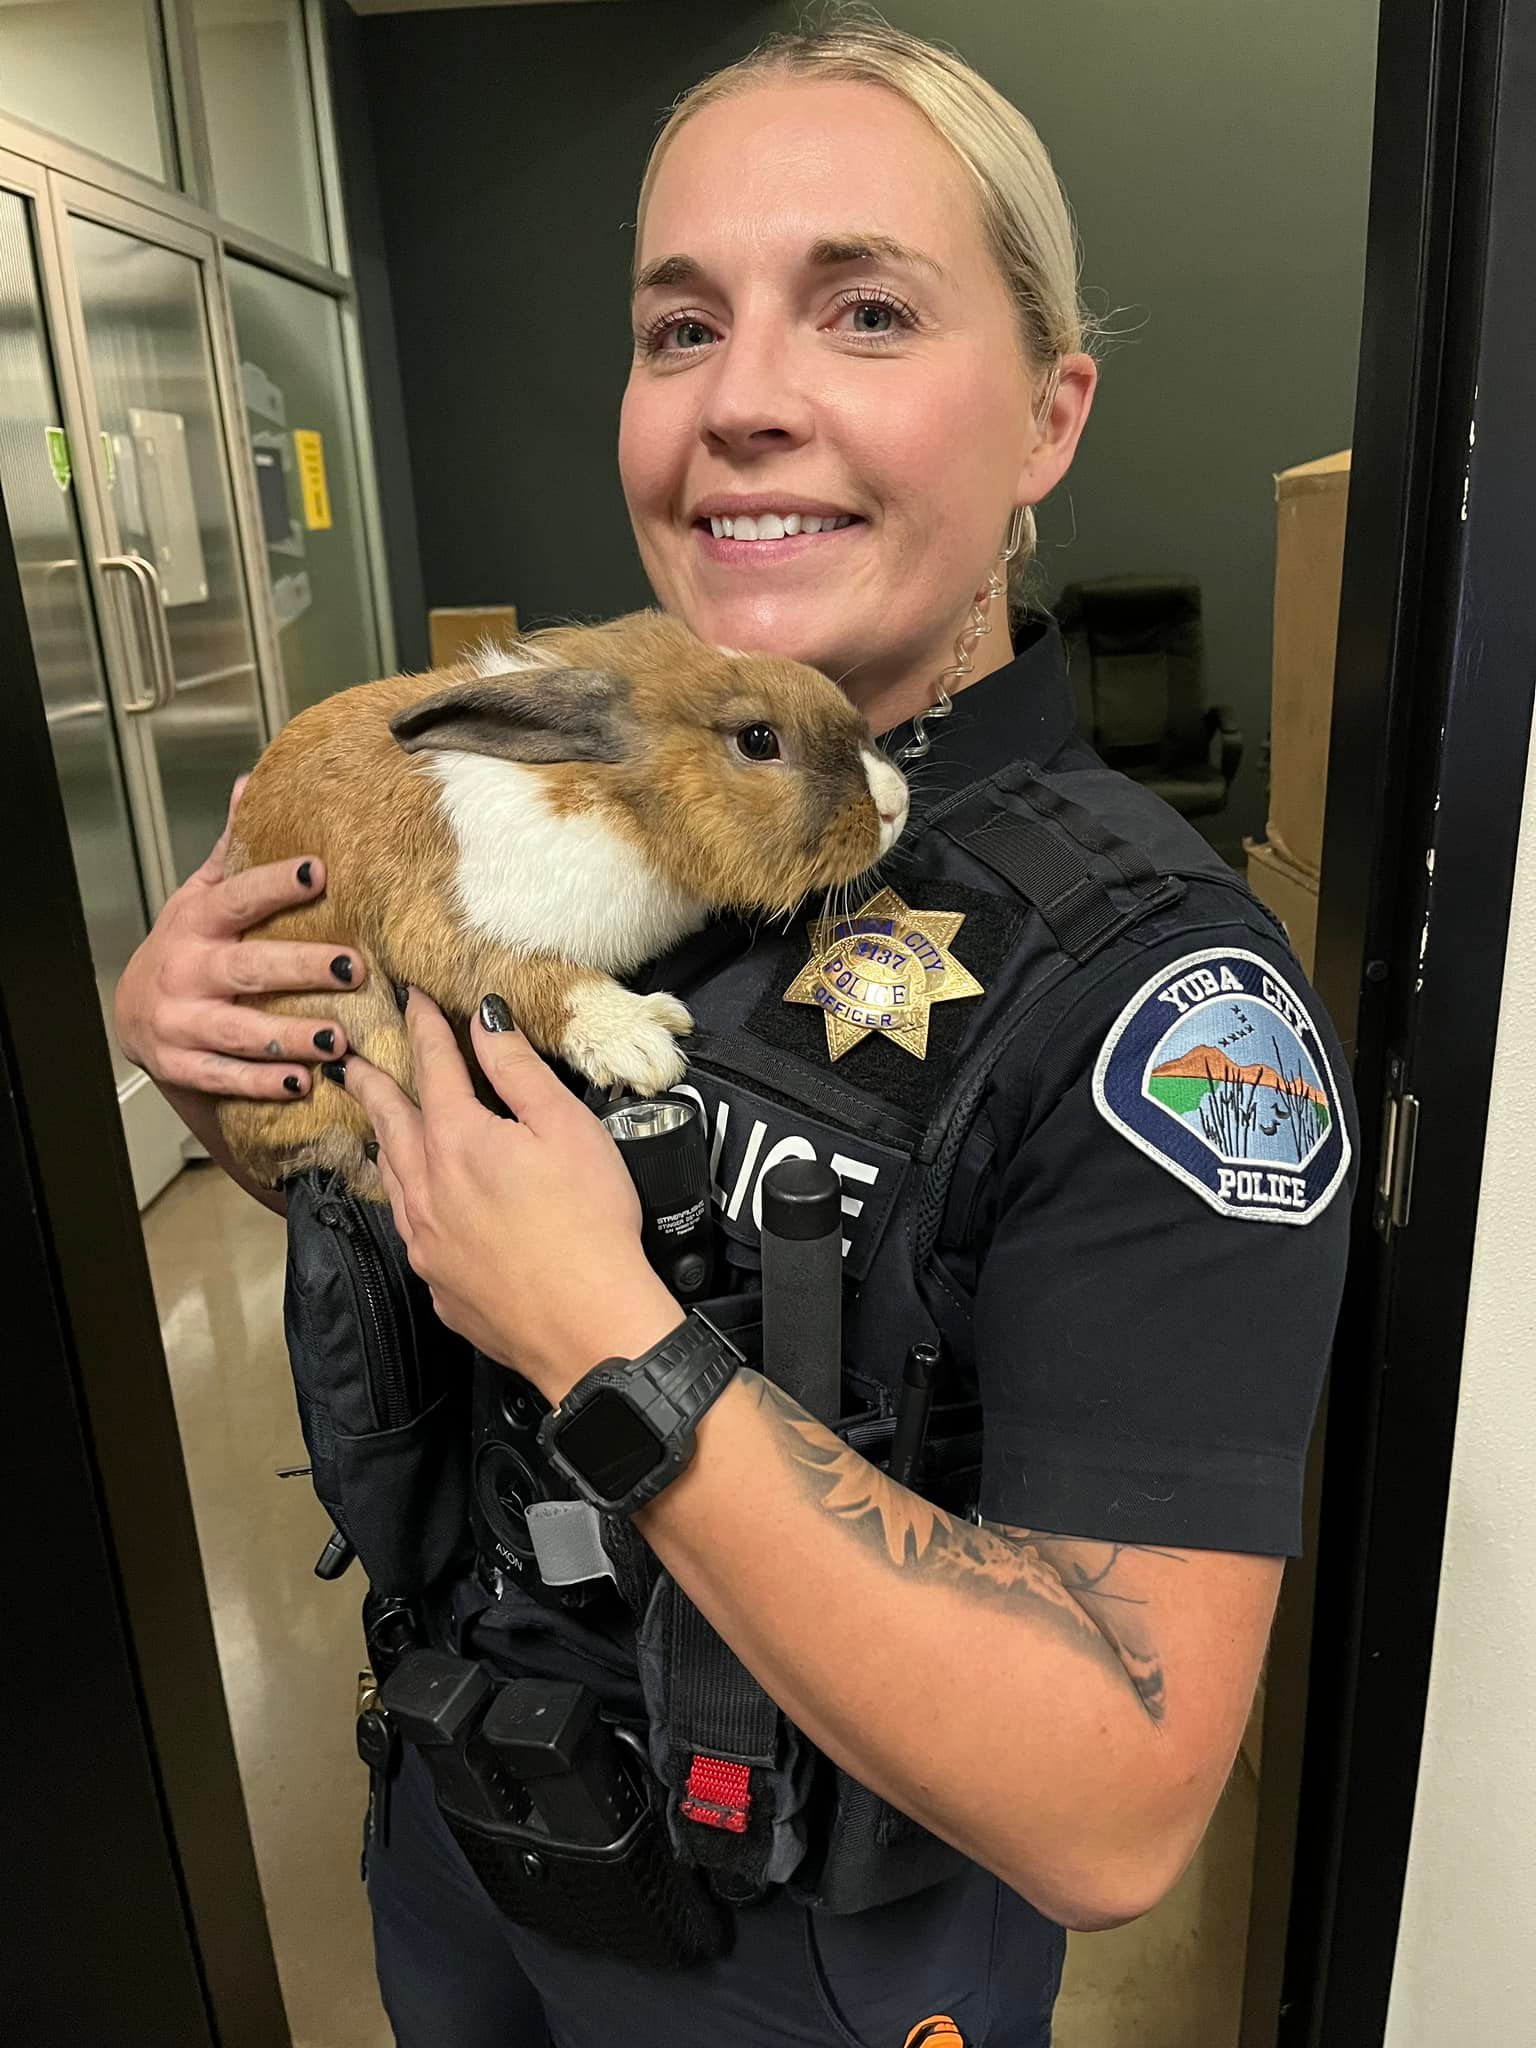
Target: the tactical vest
(1049, 869)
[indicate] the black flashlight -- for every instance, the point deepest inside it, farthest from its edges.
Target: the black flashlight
(661, 1140)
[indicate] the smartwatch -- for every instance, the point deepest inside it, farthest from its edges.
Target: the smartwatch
(626, 1429)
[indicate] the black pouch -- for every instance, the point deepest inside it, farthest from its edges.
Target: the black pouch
(630, 1899)
(382, 1385)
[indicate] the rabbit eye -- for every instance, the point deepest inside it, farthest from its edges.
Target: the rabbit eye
(758, 742)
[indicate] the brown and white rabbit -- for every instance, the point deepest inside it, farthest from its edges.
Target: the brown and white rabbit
(537, 821)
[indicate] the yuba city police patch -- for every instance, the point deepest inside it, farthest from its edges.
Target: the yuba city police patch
(880, 970)
(1214, 1069)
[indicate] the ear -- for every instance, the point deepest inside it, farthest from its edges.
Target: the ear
(532, 714)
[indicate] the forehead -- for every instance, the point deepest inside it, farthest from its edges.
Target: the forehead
(758, 178)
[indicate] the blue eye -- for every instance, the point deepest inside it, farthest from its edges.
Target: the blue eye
(873, 318)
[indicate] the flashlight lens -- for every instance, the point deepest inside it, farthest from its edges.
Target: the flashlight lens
(647, 1119)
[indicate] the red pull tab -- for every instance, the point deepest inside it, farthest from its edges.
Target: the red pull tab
(719, 1794)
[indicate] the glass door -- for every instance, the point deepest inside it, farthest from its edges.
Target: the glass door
(139, 292)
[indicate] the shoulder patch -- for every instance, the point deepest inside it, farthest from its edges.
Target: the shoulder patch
(1214, 1068)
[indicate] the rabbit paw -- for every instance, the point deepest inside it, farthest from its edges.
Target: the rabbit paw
(613, 1035)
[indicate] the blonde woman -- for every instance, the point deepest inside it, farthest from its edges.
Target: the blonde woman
(859, 364)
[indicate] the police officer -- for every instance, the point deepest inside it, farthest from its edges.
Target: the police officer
(859, 362)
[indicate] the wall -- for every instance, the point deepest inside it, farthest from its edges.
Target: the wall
(1466, 1962)
(1218, 162)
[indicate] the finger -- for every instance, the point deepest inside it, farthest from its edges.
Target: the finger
(245, 1033)
(212, 869)
(395, 1118)
(272, 966)
(396, 1194)
(443, 1085)
(530, 1089)
(211, 1073)
(233, 906)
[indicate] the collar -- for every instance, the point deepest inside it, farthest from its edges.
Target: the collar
(1023, 712)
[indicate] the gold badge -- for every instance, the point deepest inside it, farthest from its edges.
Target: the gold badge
(879, 970)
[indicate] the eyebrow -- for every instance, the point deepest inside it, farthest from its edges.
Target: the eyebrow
(828, 252)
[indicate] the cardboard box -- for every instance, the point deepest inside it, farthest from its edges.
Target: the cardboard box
(455, 629)
(1310, 505)
(1290, 892)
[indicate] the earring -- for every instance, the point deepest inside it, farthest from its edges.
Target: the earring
(978, 625)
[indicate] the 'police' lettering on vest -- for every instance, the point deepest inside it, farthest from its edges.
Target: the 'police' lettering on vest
(749, 1136)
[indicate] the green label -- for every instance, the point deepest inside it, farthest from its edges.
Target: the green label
(58, 456)
(108, 458)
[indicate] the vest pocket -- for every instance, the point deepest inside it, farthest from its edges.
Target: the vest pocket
(382, 1387)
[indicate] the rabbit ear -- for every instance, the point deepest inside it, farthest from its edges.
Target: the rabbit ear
(532, 714)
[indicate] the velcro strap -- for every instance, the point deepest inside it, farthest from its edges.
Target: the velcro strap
(1053, 853)
(719, 1794)
(567, 1539)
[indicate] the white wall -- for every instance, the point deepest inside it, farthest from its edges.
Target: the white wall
(1466, 1953)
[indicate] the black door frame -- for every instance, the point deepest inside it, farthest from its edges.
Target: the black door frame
(1430, 740)
(134, 1915)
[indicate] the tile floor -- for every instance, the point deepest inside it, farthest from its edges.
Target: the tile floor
(290, 1649)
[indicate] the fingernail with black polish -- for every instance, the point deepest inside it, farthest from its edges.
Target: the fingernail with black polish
(402, 995)
(341, 967)
(495, 1015)
(293, 1084)
(306, 874)
(325, 1041)
(371, 1149)
(333, 1070)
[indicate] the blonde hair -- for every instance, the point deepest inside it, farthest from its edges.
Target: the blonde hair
(1025, 217)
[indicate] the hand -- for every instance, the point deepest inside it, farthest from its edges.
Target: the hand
(175, 1011)
(527, 1232)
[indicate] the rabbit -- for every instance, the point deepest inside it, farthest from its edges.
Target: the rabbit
(537, 821)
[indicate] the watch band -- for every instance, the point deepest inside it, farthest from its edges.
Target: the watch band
(692, 1365)
(681, 1375)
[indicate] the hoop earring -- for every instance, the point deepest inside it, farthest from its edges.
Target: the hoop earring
(976, 627)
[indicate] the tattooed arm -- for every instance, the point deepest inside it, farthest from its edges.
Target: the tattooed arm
(1065, 1711)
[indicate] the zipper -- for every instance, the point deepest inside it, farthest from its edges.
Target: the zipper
(392, 1381)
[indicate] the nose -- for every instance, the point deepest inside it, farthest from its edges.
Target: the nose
(752, 403)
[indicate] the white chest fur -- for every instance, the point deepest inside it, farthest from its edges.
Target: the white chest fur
(542, 883)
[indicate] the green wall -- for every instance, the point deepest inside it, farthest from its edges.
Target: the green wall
(1216, 153)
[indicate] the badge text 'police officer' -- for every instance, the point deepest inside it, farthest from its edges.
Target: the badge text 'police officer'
(1214, 1068)
(880, 970)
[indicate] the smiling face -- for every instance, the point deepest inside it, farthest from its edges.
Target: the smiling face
(830, 415)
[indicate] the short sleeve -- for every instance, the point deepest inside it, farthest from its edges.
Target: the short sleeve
(1162, 1274)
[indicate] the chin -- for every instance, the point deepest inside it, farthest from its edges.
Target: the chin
(794, 632)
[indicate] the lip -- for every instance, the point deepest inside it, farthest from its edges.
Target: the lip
(728, 504)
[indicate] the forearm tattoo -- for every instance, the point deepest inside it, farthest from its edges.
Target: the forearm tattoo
(1067, 1582)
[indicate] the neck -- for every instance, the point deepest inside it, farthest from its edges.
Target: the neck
(888, 701)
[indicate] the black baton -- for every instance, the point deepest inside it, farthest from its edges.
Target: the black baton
(802, 1241)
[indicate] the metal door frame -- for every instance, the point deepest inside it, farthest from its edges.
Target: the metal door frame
(1430, 744)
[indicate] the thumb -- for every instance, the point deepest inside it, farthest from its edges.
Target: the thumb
(526, 1084)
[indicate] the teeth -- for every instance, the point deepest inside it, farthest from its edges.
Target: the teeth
(772, 525)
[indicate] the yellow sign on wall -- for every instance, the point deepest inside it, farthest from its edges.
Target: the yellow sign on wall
(310, 449)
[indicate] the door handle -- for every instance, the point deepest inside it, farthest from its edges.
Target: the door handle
(156, 634)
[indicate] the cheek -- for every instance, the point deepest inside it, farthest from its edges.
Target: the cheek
(647, 448)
